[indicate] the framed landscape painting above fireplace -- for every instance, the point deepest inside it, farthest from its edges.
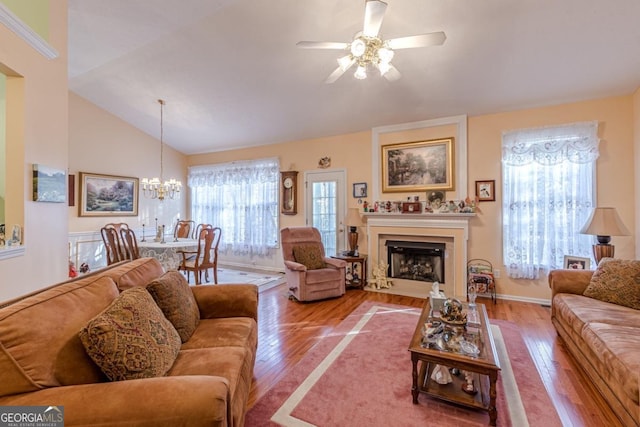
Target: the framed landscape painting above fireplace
(418, 166)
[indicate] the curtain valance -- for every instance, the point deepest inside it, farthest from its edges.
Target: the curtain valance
(247, 171)
(576, 142)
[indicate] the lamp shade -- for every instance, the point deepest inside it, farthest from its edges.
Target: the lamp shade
(605, 222)
(353, 218)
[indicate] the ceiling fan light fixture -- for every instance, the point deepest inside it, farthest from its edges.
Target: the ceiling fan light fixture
(361, 73)
(384, 68)
(358, 47)
(345, 62)
(385, 54)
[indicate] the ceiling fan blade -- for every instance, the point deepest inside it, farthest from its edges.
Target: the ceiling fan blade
(393, 74)
(422, 40)
(337, 73)
(373, 15)
(322, 45)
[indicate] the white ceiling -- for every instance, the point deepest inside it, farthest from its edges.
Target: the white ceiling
(232, 76)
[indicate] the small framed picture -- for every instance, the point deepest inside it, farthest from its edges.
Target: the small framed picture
(576, 263)
(486, 190)
(360, 189)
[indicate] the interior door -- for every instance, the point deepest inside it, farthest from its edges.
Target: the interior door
(326, 207)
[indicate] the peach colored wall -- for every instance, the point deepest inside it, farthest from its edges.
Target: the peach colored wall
(614, 168)
(636, 156)
(45, 140)
(349, 152)
(353, 152)
(100, 142)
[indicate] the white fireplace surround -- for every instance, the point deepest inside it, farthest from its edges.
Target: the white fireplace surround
(451, 229)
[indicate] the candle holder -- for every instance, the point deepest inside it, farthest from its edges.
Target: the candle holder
(143, 240)
(163, 241)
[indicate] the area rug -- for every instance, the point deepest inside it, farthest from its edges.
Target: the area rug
(360, 375)
(262, 280)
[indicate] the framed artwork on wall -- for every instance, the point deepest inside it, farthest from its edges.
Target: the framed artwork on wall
(49, 184)
(486, 190)
(360, 190)
(108, 195)
(418, 166)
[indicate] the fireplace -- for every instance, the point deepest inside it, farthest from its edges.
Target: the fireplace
(420, 261)
(450, 230)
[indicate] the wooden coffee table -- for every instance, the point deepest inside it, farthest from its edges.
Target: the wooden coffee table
(445, 350)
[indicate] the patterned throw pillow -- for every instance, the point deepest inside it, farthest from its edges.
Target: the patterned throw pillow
(310, 256)
(131, 338)
(174, 297)
(616, 281)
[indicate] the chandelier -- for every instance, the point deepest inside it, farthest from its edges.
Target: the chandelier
(155, 188)
(364, 51)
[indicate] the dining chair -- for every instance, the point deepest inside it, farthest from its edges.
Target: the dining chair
(130, 243)
(198, 229)
(113, 242)
(206, 256)
(183, 229)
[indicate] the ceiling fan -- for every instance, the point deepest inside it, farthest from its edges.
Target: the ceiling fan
(369, 49)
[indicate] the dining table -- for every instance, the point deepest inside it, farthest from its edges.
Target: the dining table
(167, 252)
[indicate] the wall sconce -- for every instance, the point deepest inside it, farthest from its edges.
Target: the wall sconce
(604, 223)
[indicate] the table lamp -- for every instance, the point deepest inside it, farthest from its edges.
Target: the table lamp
(353, 222)
(604, 223)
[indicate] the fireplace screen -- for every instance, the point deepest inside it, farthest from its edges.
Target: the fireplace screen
(423, 261)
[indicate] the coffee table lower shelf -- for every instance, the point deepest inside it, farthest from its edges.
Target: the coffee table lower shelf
(453, 392)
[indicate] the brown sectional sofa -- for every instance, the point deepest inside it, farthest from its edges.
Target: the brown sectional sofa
(43, 361)
(603, 337)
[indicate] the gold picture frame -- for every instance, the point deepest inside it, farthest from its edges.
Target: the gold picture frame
(418, 166)
(108, 195)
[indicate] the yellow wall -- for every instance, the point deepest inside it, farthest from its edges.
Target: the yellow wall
(100, 142)
(615, 167)
(34, 13)
(42, 86)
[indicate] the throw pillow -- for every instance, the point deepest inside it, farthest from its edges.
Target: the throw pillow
(616, 281)
(131, 338)
(174, 297)
(310, 256)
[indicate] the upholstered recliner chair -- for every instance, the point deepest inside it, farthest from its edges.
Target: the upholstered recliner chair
(310, 274)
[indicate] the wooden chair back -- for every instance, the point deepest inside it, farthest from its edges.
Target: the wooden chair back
(183, 229)
(113, 243)
(206, 256)
(130, 243)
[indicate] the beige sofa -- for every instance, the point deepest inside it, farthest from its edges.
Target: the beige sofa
(43, 360)
(603, 337)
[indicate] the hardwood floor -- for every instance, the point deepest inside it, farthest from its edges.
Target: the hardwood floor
(288, 329)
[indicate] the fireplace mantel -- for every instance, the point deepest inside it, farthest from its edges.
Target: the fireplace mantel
(454, 227)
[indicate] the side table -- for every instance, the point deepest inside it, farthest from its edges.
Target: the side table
(356, 270)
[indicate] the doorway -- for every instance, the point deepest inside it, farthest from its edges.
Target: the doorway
(325, 207)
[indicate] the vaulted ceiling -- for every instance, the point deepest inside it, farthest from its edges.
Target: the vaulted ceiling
(232, 76)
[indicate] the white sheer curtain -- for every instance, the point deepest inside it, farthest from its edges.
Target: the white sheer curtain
(242, 199)
(548, 194)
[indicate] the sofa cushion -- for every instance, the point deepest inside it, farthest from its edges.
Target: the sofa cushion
(131, 338)
(309, 255)
(224, 332)
(174, 297)
(134, 273)
(39, 343)
(616, 281)
(614, 353)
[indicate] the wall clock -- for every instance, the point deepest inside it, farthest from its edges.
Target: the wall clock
(289, 200)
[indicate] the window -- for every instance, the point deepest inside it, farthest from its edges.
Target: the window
(548, 193)
(242, 199)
